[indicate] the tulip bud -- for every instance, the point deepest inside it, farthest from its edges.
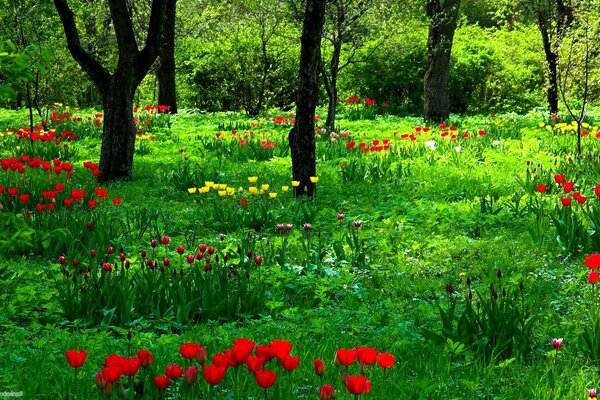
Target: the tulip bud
(100, 382)
(180, 249)
(153, 243)
(190, 258)
(258, 260)
(122, 257)
(211, 250)
(93, 253)
(319, 367)
(202, 247)
(62, 259)
(143, 253)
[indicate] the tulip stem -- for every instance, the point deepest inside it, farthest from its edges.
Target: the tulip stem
(131, 389)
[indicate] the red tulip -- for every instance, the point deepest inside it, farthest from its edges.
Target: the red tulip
(385, 360)
(180, 249)
(280, 348)
(258, 260)
(565, 201)
(213, 374)
(188, 350)
(358, 384)
(327, 392)
(319, 367)
(265, 352)
(581, 199)
(100, 382)
(174, 371)
(541, 188)
(191, 375)
(111, 374)
(345, 357)
(202, 247)
(290, 363)
(201, 355)
(559, 178)
(161, 382)
(366, 355)
(242, 348)
(24, 198)
(568, 186)
(165, 240)
(131, 366)
(255, 364)
(145, 357)
(593, 261)
(75, 358)
(116, 201)
(597, 190)
(265, 378)
(224, 359)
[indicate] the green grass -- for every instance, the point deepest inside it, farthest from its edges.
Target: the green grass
(421, 230)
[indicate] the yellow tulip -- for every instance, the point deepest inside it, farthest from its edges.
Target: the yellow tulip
(284, 188)
(222, 193)
(548, 128)
(585, 125)
(252, 179)
(192, 190)
(209, 184)
(230, 191)
(314, 179)
(253, 190)
(222, 186)
(541, 124)
(264, 187)
(272, 195)
(204, 189)
(295, 183)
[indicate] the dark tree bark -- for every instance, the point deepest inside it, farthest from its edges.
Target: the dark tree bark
(166, 67)
(444, 17)
(553, 17)
(302, 135)
(117, 89)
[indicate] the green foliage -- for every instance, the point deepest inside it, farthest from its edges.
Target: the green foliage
(496, 327)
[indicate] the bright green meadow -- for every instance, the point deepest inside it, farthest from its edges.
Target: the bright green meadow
(451, 248)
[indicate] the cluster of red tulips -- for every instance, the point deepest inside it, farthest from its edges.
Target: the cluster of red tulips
(46, 187)
(445, 132)
(263, 365)
(377, 145)
(567, 188)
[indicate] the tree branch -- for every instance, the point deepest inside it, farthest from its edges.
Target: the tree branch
(123, 27)
(89, 64)
(148, 55)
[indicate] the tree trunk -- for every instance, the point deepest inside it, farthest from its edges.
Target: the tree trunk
(439, 46)
(552, 63)
(332, 92)
(302, 135)
(166, 69)
(118, 136)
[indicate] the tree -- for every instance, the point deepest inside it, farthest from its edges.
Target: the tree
(302, 135)
(341, 28)
(443, 15)
(165, 72)
(553, 17)
(578, 73)
(117, 89)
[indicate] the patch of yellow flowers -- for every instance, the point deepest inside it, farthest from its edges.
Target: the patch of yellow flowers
(224, 190)
(563, 127)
